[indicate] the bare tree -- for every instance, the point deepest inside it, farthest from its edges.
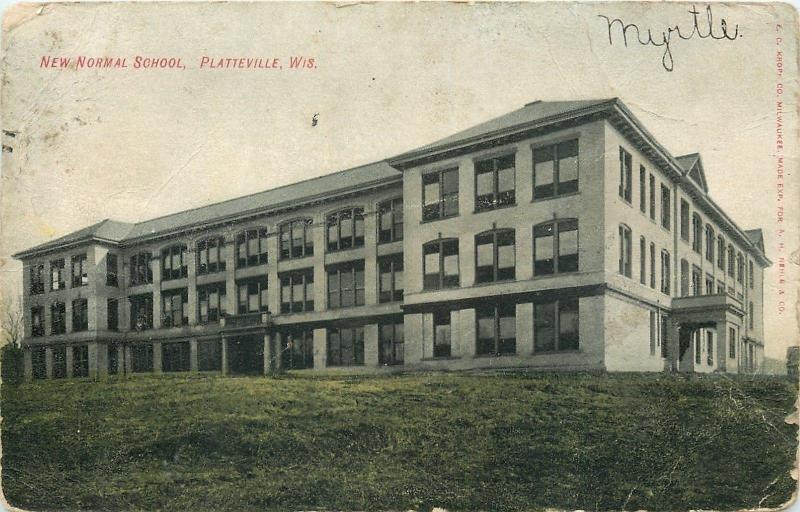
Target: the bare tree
(11, 320)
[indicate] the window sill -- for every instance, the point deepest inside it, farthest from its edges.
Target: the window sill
(494, 208)
(557, 196)
(552, 352)
(428, 221)
(390, 241)
(489, 356)
(335, 251)
(441, 358)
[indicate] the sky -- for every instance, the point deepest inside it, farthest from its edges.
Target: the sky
(132, 144)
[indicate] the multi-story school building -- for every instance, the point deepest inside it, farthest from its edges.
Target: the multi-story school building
(560, 236)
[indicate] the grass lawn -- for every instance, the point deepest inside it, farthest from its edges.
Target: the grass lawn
(460, 441)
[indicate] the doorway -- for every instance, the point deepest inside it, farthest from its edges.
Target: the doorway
(246, 355)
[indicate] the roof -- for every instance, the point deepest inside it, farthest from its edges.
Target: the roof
(530, 113)
(314, 188)
(756, 236)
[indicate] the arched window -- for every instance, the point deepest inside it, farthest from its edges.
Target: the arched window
(211, 255)
(297, 240)
(173, 262)
(251, 248)
(555, 247)
(141, 269)
(346, 229)
(494, 256)
(710, 237)
(440, 264)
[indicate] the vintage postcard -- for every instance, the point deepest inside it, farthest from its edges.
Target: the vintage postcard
(399, 256)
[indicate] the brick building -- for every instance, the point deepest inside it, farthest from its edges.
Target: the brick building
(559, 236)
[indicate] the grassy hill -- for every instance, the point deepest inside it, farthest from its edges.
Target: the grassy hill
(491, 442)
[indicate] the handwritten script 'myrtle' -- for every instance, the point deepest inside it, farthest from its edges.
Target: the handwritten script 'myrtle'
(666, 58)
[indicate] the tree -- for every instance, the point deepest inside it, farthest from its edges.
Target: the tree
(11, 320)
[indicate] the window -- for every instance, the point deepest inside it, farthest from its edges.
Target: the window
(697, 281)
(440, 194)
(494, 256)
(58, 318)
(80, 277)
(652, 265)
(684, 277)
(710, 237)
(112, 314)
(740, 267)
(642, 260)
(346, 285)
(441, 334)
(664, 332)
(392, 343)
(625, 175)
(652, 197)
(390, 221)
(113, 359)
(209, 355)
(555, 247)
(653, 332)
(709, 284)
(38, 362)
(60, 361)
(298, 350)
(57, 275)
(211, 302)
(731, 260)
(175, 357)
(37, 321)
(175, 308)
(684, 220)
(750, 273)
(494, 183)
(251, 248)
(555, 325)
(709, 348)
(721, 252)
(346, 229)
(252, 295)
(211, 255)
(732, 341)
(112, 270)
(440, 264)
(497, 329)
(141, 312)
(751, 315)
(642, 189)
(555, 169)
(141, 269)
(720, 287)
(665, 207)
(80, 315)
(697, 346)
(346, 346)
(697, 234)
(37, 279)
(297, 291)
(173, 262)
(142, 358)
(297, 239)
(625, 250)
(390, 279)
(665, 272)
(80, 361)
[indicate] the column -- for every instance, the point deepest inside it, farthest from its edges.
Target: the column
(224, 347)
(279, 351)
(524, 178)
(468, 340)
(524, 323)
(273, 283)
(48, 361)
(67, 314)
(231, 292)
(427, 335)
(98, 360)
(193, 355)
(267, 353)
(412, 330)
(156, 264)
(27, 365)
(722, 346)
(370, 258)
(371, 345)
(673, 345)
(191, 284)
(156, 357)
(69, 356)
(127, 359)
(320, 348)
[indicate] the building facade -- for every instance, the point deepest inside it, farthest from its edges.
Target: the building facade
(559, 236)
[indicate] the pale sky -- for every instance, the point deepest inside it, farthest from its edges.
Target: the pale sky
(132, 144)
